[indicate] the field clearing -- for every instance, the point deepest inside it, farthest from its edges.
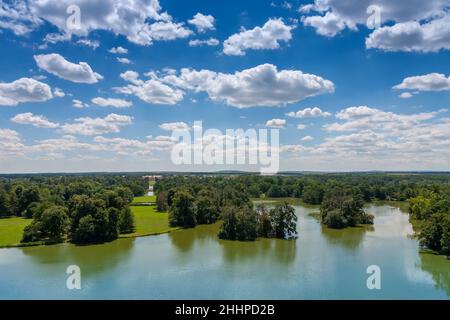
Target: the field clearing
(149, 222)
(144, 199)
(11, 230)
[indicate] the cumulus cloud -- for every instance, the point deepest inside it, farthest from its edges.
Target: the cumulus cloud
(38, 121)
(124, 60)
(111, 102)
(151, 91)
(428, 82)
(24, 90)
(263, 85)
(10, 143)
(276, 123)
(328, 25)
(140, 21)
(172, 126)
(362, 117)
(56, 64)
(57, 92)
(430, 36)
(118, 50)
(203, 22)
(307, 138)
(418, 25)
(268, 36)
(79, 104)
(164, 30)
(208, 42)
(309, 113)
(94, 44)
(87, 126)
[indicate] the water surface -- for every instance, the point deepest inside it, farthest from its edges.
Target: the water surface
(194, 264)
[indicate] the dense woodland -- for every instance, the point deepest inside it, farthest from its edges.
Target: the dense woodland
(94, 208)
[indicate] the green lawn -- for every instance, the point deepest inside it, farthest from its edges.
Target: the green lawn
(11, 230)
(148, 221)
(144, 199)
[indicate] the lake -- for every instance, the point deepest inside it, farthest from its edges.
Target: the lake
(195, 264)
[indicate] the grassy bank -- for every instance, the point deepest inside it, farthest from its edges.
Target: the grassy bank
(11, 230)
(147, 222)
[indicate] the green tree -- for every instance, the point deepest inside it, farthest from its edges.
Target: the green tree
(161, 201)
(126, 221)
(182, 212)
(284, 221)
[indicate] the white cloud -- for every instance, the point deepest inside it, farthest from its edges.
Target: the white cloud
(118, 50)
(151, 91)
(172, 126)
(307, 138)
(57, 92)
(10, 144)
(430, 36)
(94, 126)
(203, 22)
(94, 44)
(163, 30)
(208, 42)
(24, 90)
(38, 121)
(60, 67)
(262, 85)
(124, 60)
(427, 82)
(131, 19)
(363, 117)
(406, 95)
(79, 104)
(16, 16)
(268, 36)
(301, 126)
(111, 102)
(309, 113)
(328, 25)
(276, 123)
(417, 25)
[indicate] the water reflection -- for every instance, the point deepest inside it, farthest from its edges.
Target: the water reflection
(439, 269)
(349, 238)
(184, 239)
(93, 259)
(263, 250)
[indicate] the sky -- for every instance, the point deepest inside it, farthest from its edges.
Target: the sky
(99, 85)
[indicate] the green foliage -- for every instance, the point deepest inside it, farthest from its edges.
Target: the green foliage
(284, 221)
(126, 221)
(52, 224)
(246, 224)
(238, 224)
(343, 208)
(182, 212)
(207, 210)
(161, 201)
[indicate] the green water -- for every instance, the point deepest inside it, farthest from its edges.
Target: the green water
(191, 264)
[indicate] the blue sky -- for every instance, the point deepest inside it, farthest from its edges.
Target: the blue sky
(366, 98)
